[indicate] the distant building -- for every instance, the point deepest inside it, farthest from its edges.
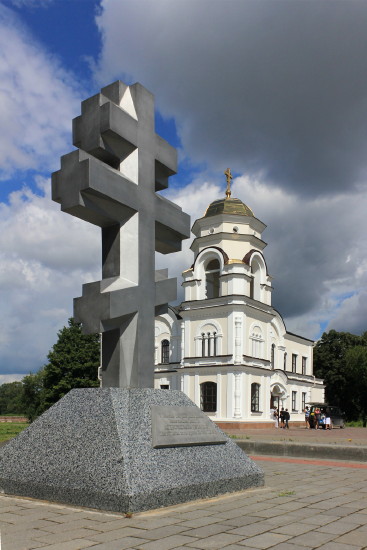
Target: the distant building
(225, 346)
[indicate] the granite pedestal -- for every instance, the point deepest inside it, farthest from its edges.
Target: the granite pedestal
(95, 448)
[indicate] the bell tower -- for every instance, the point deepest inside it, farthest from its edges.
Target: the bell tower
(228, 258)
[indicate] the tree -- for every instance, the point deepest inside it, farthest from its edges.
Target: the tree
(356, 359)
(33, 395)
(73, 363)
(11, 398)
(332, 355)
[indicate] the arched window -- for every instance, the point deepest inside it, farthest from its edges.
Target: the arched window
(165, 352)
(212, 271)
(208, 396)
(255, 289)
(257, 342)
(273, 356)
(209, 344)
(255, 397)
(285, 361)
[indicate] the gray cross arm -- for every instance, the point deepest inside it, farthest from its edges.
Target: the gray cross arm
(102, 306)
(171, 227)
(106, 130)
(87, 188)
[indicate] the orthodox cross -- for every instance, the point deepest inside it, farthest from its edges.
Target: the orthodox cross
(229, 177)
(111, 181)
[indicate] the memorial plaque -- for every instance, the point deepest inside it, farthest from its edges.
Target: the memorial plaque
(183, 426)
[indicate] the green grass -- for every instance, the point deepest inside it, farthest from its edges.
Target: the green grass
(354, 424)
(8, 430)
(286, 493)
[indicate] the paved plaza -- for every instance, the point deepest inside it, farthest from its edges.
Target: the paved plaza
(305, 504)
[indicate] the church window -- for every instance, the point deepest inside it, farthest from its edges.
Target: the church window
(285, 361)
(304, 364)
(303, 400)
(257, 342)
(255, 397)
(252, 288)
(208, 344)
(294, 400)
(212, 279)
(165, 351)
(208, 396)
(273, 356)
(294, 362)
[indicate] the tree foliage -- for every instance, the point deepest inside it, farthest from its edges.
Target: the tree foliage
(11, 398)
(72, 363)
(33, 395)
(338, 359)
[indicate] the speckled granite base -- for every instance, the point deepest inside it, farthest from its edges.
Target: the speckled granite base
(94, 448)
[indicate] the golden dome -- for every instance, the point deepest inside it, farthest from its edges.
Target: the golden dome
(228, 206)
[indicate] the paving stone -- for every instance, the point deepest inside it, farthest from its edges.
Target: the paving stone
(208, 530)
(250, 530)
(201, 522)
(240, 521)
(337, 527)
(266, 540)
(337, 546)
(167, 543)
(66, 535)
(290, 546)
(159, 532)
(216, 541)
(314, 537)
(110, 525)
(294, 529)
(356, 538)
(318, 519)
(76, 544)
(118, 534)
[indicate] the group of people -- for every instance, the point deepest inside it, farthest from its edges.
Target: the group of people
(316, 418)
(281, 418)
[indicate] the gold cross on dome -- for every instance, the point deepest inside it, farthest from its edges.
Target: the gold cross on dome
(229, 177)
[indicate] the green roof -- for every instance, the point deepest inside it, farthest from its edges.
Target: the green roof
(228, 206)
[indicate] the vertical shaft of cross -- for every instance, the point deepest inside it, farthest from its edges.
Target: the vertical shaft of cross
(111, 181)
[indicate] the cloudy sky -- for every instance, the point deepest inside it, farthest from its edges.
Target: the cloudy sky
(275, 89)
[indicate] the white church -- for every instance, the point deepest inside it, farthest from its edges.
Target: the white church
(225, 346)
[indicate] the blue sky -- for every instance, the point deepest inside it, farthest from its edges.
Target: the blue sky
(277, 90)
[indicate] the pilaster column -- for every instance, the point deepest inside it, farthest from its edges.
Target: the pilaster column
(237, 340)
(182, 346)
(237, 395)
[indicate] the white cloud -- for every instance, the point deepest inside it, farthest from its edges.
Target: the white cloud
(46, 256)
(7, 378)
(38, 99)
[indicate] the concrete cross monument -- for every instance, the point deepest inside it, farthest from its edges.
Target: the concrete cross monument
(124, 447)
(111, 181)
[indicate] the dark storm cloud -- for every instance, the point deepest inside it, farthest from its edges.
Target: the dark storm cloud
(274, 87)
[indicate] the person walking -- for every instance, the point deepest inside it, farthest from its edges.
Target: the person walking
(317, 418)
(307, 417)
(274, 416)
(281, 417)
(286, 419)
(328, 425)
